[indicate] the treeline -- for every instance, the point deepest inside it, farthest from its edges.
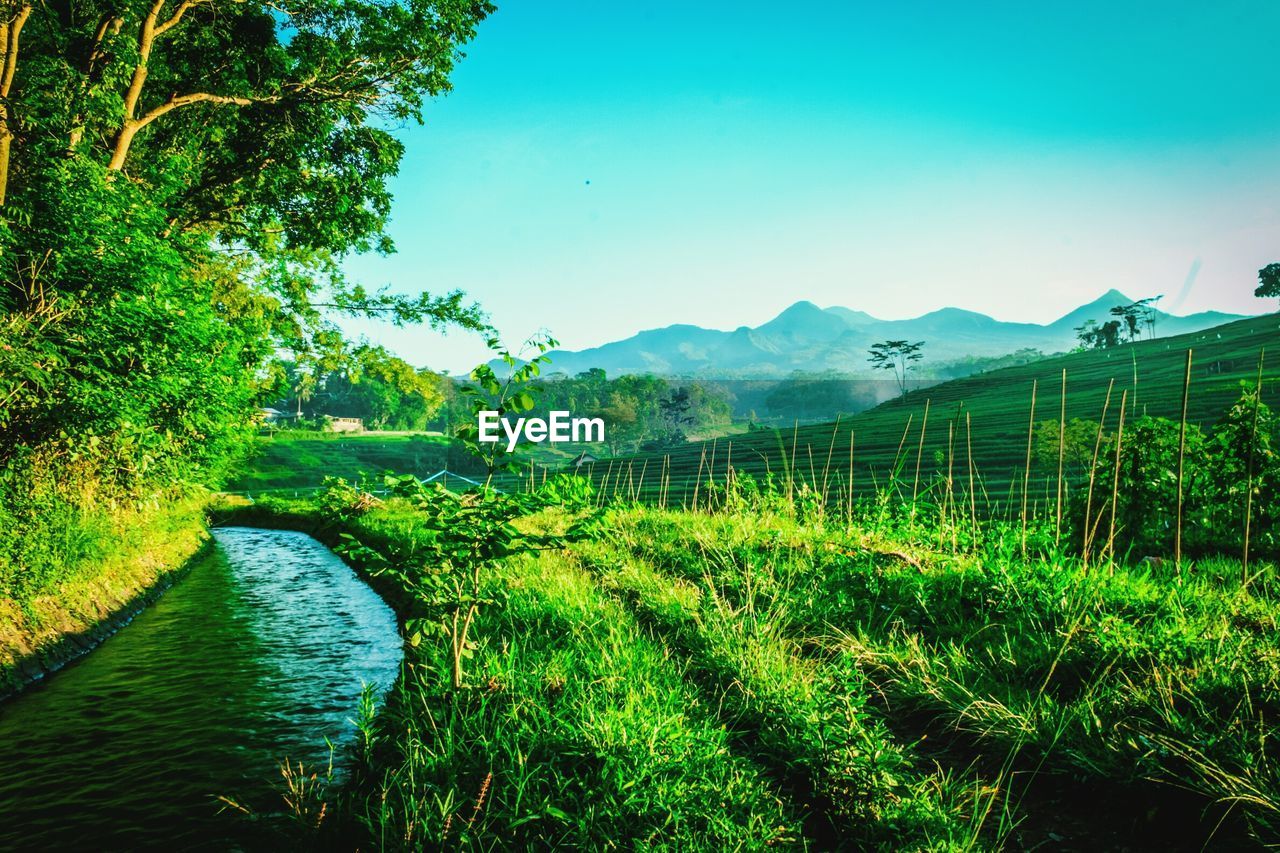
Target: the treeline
(383, 390)
(179, 180)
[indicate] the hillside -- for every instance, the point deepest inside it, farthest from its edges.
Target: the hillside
(289, 463)
(998, 405)
(807, 338)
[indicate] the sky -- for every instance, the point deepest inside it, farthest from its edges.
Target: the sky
(602, 168)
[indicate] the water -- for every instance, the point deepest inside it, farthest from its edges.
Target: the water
(259, 654)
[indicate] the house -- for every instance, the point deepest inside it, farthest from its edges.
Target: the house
(343, 424)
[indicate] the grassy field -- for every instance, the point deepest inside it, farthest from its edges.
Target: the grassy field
(765, 677)
(990, 410)
(296, 462)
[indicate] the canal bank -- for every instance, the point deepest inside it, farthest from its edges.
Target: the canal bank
(145, 554)
(270, 653)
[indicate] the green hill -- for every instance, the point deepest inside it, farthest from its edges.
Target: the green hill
(997, 405)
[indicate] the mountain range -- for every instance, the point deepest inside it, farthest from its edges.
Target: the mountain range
(810, 339)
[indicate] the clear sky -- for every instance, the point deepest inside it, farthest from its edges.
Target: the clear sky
(603, 167)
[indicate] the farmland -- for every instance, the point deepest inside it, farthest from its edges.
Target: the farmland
(740, 661)
(772, 676)
(292, 462)
(989, 410)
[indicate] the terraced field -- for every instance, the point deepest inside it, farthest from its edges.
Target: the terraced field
(989, 411)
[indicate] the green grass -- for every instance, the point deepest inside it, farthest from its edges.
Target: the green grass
(997, 403)
(1165, 691)
(767, 677)
(81, 569)
(290, 462)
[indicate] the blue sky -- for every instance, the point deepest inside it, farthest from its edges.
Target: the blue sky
(603, 168)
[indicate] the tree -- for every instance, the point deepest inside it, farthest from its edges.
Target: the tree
(1269, 281)
(179, 182)
(1077, 443)
(1130, 319)
(1094, 336)
(1148, 313)
(896, 356)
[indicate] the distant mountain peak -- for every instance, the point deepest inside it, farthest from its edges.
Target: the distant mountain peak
(801, 309)
(1112, 296)
(805, 337)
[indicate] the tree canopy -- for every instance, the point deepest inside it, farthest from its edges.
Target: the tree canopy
(1269, 281)
(896, 356)
(179, 182)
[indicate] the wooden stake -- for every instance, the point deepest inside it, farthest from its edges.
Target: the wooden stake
(1182, 452)
(1026, 471)
(973, 497)
(791, 471)
(1062, 453)
(897, 457)
(1248, 499)
(830, 449)
(949, 512)
(1115, 484)
(849, 509)
(1087, 533)
(915, 486)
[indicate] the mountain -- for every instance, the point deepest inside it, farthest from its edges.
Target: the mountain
(807, 338)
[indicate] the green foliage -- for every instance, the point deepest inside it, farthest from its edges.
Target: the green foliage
(512, 395)
(1218, 471)
(896, 356)
(1094, 335)
(178, 184)
(1076, 443)
(459, 538)
(1268, 281)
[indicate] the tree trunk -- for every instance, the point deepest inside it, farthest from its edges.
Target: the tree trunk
(10, 32)
(146, 41)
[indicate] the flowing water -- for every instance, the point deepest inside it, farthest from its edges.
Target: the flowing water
(259, 654)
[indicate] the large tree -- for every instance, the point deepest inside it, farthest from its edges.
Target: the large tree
(1269, 281)
(179, 182)
(896, 356)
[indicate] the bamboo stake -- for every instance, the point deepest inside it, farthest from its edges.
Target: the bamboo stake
(1115, 484)
(1086, 534)
(791, 471)
(973, 497)
(1248, 499)
(897, 457)
(1182, 452)
(604, 487)
(849, 509)
(697, 484)
(1062, 453)
(830, 448)
(1026, 471)
(915, 486)
(949, 511)
(711, 467)
(902, 441)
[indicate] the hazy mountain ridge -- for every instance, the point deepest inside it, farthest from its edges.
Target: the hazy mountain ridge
(807, 338)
